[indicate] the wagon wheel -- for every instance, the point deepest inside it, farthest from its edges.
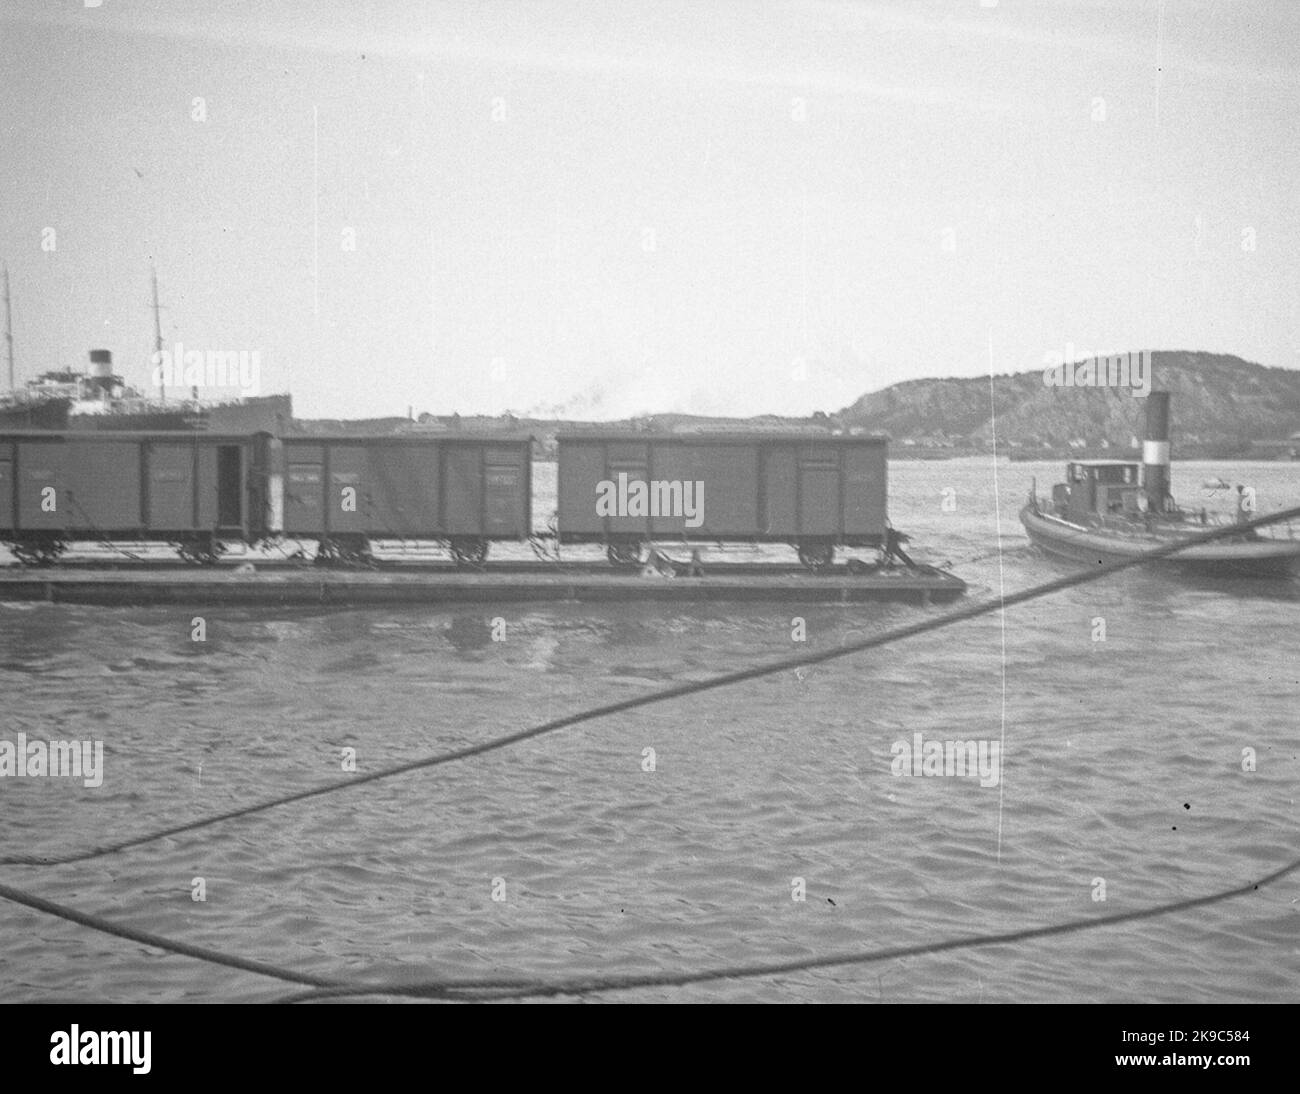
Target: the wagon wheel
(348, 551)
(469, 551)
(357, 553)
(202, 552)
(325, 553)
(42, 553)
(626, 556)
(330, 552)
(816, 556)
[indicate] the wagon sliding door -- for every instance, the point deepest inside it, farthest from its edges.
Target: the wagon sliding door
(581, 468)
(819, 491)
(631, 460)
(170, 504)
(462, 490)
(230, 488)
(506, 475)
(7, 522)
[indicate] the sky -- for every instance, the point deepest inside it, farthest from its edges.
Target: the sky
(610, 209)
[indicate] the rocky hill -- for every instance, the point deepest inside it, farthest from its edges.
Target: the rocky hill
(1218, 400)
(1222, 407)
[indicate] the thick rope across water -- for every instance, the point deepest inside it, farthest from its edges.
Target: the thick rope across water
(184, 949)
(812, 657)
(592, 985)
(521, 988)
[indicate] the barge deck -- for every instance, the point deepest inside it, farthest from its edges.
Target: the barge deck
(286, 584)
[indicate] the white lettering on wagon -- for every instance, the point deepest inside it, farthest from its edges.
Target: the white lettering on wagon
(656, 498)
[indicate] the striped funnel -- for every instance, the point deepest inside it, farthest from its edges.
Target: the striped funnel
(1155, 451)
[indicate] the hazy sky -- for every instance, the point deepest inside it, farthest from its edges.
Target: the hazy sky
(626, 207)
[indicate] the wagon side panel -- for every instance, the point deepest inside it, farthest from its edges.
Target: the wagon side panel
(7, 496)
(40, 485)
(721, 481)
(865, 491)
(349, 492)
(403, 490)
(102, 485)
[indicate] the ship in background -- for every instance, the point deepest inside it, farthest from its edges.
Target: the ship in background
(1108, 510)
(101, 399)
(96, 399)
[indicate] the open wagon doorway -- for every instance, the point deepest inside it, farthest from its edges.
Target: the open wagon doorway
(230, 487)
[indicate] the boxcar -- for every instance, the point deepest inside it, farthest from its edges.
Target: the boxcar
(813, 492)
(346, 491)
(193, 490)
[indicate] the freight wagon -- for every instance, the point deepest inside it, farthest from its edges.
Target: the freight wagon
(346, 491)
(625, 490)
(194, 491)
(199, 492)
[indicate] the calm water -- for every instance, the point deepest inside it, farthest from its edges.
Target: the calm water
(1123, 762)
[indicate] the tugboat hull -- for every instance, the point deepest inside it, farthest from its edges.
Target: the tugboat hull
(1258, 557)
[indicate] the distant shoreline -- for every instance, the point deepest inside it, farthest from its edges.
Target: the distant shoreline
(1005, 457)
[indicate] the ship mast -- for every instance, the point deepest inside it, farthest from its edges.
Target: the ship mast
(9, 334)
(157, 337)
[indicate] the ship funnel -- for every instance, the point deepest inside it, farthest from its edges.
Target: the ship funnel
(1155, 451)
(101, 363)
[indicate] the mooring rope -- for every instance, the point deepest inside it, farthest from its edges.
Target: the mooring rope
(592, 985)
(185, 949)
(324, 987)
(812, 657)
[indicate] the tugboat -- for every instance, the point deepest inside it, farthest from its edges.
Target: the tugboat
(1113, 509)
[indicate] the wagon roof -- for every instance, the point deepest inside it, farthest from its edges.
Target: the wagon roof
(408, 438)
(125, 435)
(751, 437)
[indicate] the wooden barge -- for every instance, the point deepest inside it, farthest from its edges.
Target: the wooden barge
(288, 585)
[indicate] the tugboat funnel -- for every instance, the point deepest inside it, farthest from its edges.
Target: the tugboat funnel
(1155, 452)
